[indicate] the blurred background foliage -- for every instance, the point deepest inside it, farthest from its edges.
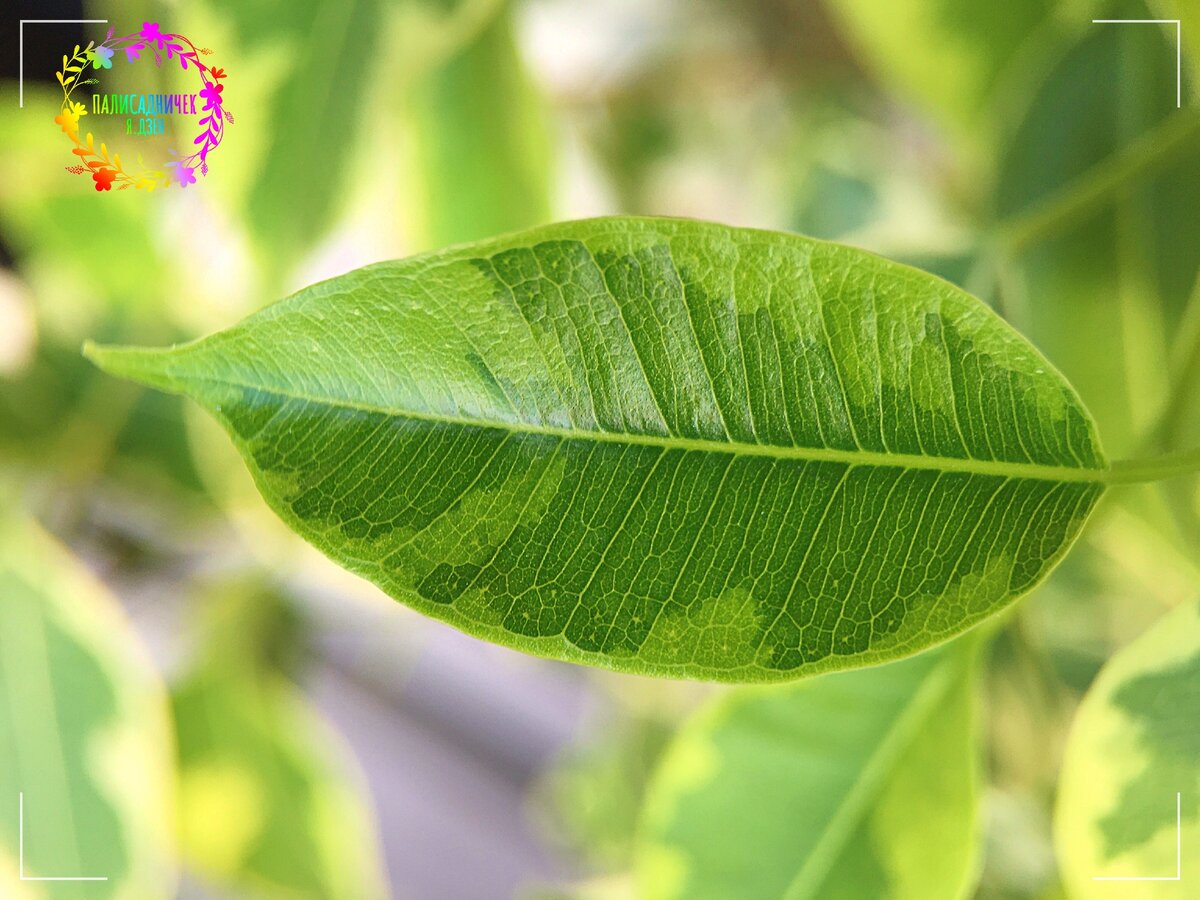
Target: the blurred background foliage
(310, 738)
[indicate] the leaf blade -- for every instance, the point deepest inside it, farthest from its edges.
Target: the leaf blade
(1131, 751)
(823, 779)
(84, 730)
(695, 379)
(482, 151)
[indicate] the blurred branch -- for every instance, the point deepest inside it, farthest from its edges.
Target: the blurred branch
(1098, 185)
(1159, 468)
(1166, 433)
(1185, 372)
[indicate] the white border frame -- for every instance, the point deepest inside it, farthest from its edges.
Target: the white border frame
(21, 45)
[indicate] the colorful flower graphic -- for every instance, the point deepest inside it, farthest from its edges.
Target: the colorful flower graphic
(104, 178)
(106, 168)
(184, 174)
(211, 93)
(101, 57)
(69, 117)
(151, 34)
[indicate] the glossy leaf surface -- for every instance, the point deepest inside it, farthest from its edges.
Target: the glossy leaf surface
(657, 445)
(861, 784)
(1133, 749)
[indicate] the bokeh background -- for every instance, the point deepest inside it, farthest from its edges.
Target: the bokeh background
(277, 727)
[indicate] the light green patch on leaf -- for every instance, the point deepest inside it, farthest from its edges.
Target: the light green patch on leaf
(1132, 749)
(724, 627)
(861, 784)
(697, 451)
(84, 735)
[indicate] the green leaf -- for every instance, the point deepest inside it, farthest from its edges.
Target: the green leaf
(1132, 749)
(945, 55)
(590, 798)
(336, 52)
(482, 144)
(337, 89)
(428, 32)
(268, 797)
(84, 734)
(1105, 275)
(1188, 14)
(861, 784)
(658, 445)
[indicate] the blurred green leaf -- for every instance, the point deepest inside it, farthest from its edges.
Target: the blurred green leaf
(1133, 748)
(833, 203)
(340, 57)
(592, 796)
(946, 55)
(268, 799)
(638, 130)
(1188, 12)
(615, 887)
(87, 263)
(860, 784)
(634, 403)
(482, 144)
(429, 32)
(57, 416)
(35, 402)
(91, 266)
(1109, 275)
(84, 733)
(335, 50)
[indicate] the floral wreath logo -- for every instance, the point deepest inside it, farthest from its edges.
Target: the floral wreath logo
(108, 170)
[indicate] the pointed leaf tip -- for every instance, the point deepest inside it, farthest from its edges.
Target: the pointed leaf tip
(144, 365)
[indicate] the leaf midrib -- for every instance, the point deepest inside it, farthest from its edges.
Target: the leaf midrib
(972, 466)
